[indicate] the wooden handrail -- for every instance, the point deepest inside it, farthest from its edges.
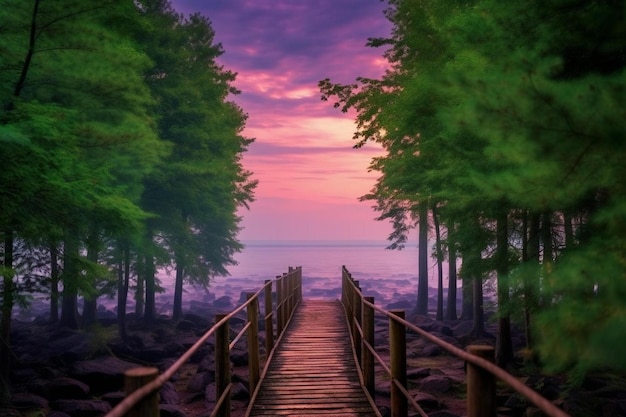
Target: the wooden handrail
(142, 386)
(481, 372)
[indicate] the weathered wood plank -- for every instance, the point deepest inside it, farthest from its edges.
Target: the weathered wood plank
(313, 372)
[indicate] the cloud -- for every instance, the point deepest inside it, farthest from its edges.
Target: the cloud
(302, 156)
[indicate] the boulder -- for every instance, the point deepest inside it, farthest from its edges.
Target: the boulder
(102, 375)
(435, 383)
(199, 381)
(240, 392)
(426, 400)
(113, 398)
(28, 401)
(67, 388)
(168, 394)
(170, 410)
(82, 408)
(223, 303)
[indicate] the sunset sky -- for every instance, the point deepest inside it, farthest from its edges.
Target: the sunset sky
(309, 176)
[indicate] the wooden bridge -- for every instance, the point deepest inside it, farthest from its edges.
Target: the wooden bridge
(322, 363)
(313, 365)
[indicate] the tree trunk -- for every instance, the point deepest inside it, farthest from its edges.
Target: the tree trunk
(177, 312)
(504, 342)
(90, 304)
(568, 229)
(467, 312)
(54, 283)
(123, 279)
(422, 283)
(439, 264)
(548, 254)
(7, 314)
(451, 306)
(149, 315)
(69, 304)
(479, 312)
(140, 291)
(531, 254)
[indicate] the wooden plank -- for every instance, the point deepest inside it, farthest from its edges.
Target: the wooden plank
(313, 371)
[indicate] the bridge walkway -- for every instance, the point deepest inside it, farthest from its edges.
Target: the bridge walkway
(313, 371)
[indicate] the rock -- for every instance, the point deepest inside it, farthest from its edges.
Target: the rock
(223, 302)
(25, 400)
(435, 383)
(443, 413)
(23, 375)
(55, 413)
(210, 393)
(399, 305)
(199, 381)
(113, 398)
(168, 393)
(68, 348)
(170, 410)
(239, 357)
(201, 320)
(431, 350)
(82, 408)
(102, 375)
(549, 387)
(418, 373)
(240, 392)
(67, 388)
(185, 325)
(426, 400)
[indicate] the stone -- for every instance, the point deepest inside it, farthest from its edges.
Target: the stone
(67, 388)
(102, 375)
(170, 410)
(426, 400)
(435, 383)
(25, 400)
(168, 393)
(82, 408)
(443, 413)
(55, 413)
(418, 373)
(240, 392)
(431, 350)
(223, 302)
(199, 381)
(113, 398)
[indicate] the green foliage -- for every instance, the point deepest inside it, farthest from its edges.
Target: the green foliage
(519, 104)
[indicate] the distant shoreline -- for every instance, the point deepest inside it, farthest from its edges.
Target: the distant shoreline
(316, 243)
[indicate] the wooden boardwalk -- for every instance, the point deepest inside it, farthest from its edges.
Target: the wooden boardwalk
(313, 372)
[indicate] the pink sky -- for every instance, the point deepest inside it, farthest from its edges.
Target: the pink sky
(309, 176)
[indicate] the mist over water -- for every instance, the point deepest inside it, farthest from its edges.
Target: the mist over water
(381, 272)
(387, 275)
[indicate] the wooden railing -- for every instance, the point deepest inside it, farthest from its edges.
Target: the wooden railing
(142, 384)
(481, 371)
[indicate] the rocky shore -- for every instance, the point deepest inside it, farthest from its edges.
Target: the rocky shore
(65, 373)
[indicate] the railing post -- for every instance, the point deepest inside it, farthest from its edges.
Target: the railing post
(481, 385)
(356, 320)
(290, 286)
(269, 323)
(222, 364)
(397, 356)
(367, 359)
(253, 343)
(300, 283)
(136, 378)
(279, 311)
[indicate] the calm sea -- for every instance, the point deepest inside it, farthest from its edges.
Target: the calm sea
(385, 274)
